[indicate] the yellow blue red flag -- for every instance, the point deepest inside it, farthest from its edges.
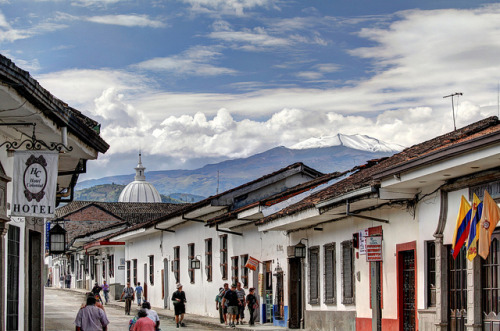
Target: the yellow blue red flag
(462, 227)
(477, 210)
(488, 222)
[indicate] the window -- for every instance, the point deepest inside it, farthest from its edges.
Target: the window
(347, 273)
(13, 277)
(431, 273)
(175, 264)
(72, 262)
(190, 258)
(111, 259)
(330, 277)
(234, 269)
(223, 256)
(152, 269)
(244, 271)
(208, 259)
(134, 265)
(314, 275)
(128, 271)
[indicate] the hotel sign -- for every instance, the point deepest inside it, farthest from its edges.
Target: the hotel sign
(34, 183)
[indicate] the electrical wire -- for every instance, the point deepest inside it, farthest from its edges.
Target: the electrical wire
(12, 109)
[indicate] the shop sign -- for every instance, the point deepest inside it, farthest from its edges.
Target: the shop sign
(362, 241)
(34, 183)
(374, 248)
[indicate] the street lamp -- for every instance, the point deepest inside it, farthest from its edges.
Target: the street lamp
(57, 240)
(300, 249)
(195, 263)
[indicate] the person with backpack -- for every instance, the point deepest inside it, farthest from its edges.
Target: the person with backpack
(128, 292)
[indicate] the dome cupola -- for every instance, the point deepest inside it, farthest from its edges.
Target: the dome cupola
(139, 190)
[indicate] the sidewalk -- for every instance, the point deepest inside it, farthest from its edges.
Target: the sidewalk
(189, 318)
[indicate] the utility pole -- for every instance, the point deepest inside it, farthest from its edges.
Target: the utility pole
(453, 107)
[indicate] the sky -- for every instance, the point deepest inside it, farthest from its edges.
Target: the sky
(191, 82)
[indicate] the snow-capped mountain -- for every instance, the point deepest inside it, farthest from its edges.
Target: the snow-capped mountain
(355, 141)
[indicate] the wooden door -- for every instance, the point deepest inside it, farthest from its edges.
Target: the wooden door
(295, 293)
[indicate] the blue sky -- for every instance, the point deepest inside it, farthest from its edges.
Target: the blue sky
(195, 81)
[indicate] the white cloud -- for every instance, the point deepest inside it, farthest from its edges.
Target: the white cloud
(250, 39)
(127, 20)
(81, 87)
(228, 7)
(10, 34)
(194, 62)
(417, 59)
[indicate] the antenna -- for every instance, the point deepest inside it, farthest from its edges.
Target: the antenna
(453, 107)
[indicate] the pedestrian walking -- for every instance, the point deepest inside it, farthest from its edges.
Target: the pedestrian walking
(218, 304)
(97, 292)
(153, 315)
(232, 305)
(61, 281)
(143, 323)
(138, 293)
(90, 317)
(128, 292)
(105, 289)
(224, 305)
(241, 303)
(68, 280)
(252, 304)
(179, 300)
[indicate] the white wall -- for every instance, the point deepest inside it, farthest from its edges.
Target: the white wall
(201, 294)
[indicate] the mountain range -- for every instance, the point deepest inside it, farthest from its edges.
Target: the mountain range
(347, 151)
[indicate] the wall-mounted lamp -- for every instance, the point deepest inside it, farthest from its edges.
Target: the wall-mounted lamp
(300, 249)
(278, 269)
(196, 263)
(57, 240)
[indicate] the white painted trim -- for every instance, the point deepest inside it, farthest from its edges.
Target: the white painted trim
(128, 234)
(352, 194)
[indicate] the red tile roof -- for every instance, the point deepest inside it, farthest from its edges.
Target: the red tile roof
(365, 175)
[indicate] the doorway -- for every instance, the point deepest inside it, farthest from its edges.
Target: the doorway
(145, 282)
(490, 285)
(295, 293)
(165, 284)
(268, 292)
(457, 290)
(406, 262)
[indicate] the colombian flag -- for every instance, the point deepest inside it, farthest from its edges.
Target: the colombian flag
(488, 222)
(462, 227)
(477, 210)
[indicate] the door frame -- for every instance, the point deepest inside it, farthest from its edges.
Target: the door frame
(400, 248)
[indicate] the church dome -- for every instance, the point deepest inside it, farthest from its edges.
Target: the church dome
(139, 190)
